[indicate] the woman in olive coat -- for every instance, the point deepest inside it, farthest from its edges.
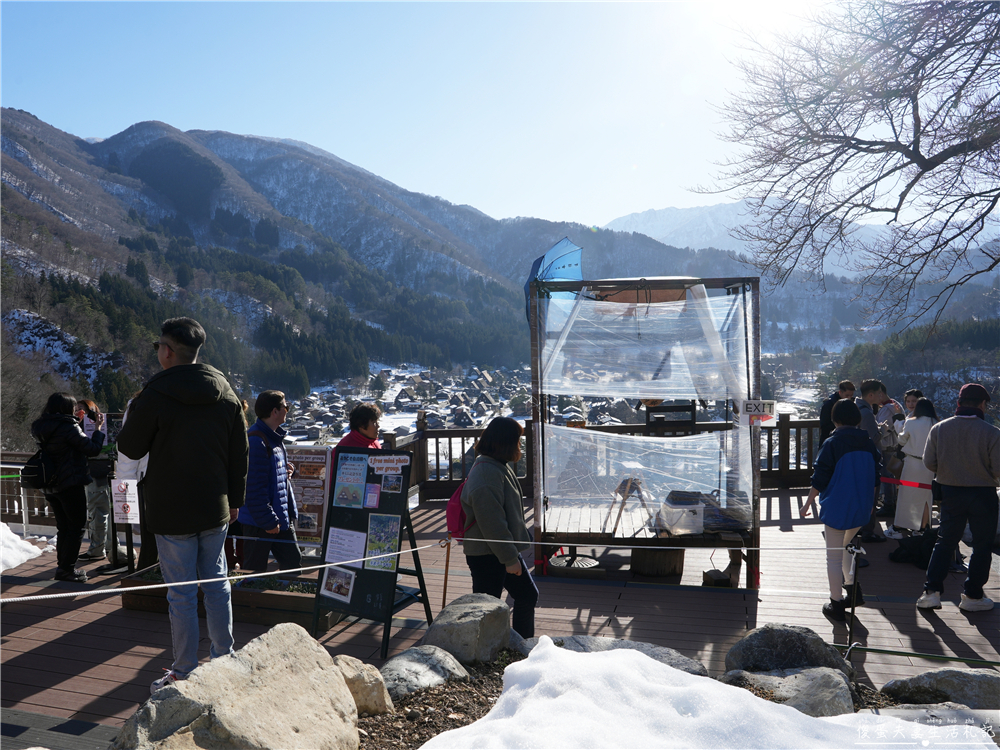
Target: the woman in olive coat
(497, 533)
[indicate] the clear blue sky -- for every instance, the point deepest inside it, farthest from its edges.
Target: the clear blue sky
(563, 111)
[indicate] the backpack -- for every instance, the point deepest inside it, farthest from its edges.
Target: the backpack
(915, 549)
(455, 514)
(39, 471)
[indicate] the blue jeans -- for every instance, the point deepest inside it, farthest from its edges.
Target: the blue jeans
(976, 506)
(489, 576)
(188, 557)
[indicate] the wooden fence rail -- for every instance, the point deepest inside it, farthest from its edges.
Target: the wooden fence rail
(442, 459)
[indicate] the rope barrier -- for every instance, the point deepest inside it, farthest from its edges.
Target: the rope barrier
(919, 485)
(241, 577)
(915, 654)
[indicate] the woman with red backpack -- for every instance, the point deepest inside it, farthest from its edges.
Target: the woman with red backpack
(496, 533)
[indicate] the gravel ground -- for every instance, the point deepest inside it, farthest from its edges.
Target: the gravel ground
(426, 713)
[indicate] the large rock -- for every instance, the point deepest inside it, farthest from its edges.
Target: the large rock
(473, 628)
(587, 644)
(420, 667)
(975, 688)
(815, 691)
(366, 685)
(280, 690)
(777, 646)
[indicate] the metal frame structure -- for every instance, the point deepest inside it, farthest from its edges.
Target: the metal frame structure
(642, 291)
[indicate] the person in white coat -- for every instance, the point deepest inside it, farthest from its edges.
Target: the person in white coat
(913, 504)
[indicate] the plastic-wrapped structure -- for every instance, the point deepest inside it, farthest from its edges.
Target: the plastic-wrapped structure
(672, 359)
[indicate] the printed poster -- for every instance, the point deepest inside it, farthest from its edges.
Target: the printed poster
(352, 470)
(345, 545)
(310, 484)
(125, 498)
(372, 495)
(383, 539)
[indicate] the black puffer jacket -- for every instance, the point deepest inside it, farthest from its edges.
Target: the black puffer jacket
(61, 437)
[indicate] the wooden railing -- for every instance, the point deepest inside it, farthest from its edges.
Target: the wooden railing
(442, 459)
(788, 452)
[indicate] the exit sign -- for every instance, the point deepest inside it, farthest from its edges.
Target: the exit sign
(754, 412)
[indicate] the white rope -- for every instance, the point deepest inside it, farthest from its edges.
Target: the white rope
(241, 577)
(445, 541)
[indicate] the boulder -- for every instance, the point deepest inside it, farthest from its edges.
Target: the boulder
(517, 643)
(587, 644)
(420, 667)
(366, 685)
(280, 690)
(975, 688)
(473, 628)
(815, 691)
(776, 646)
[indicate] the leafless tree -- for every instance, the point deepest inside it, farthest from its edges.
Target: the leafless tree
(878, 111)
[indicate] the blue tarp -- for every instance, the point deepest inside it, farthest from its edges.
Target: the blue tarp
(561, 262)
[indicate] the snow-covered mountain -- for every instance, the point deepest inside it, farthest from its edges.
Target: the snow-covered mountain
(708, 226)
(699, 227)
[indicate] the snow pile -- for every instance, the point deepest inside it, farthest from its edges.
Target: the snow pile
(67, 355)
(14, 550)
(623, 699)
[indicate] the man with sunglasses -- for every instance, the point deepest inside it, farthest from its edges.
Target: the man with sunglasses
(190, 422)
(269, 513)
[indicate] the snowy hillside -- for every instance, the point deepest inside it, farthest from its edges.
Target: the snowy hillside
(67, 355)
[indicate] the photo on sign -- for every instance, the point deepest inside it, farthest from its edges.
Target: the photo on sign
(348, 495)
(307, 521)
(383, 539)
(371, 495)
(338, 584)
(392, 483)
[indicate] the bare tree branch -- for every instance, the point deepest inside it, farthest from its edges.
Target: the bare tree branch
(880, 109)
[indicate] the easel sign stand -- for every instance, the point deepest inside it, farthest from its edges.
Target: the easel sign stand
(366, 516)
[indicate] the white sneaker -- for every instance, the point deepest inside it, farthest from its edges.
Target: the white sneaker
(168, 679)
(931, 600)
(975, 605)
(893, 533)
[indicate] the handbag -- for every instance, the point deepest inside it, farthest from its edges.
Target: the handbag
(39, 471)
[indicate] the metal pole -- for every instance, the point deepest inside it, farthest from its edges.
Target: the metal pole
(447, 564)
(24, 513)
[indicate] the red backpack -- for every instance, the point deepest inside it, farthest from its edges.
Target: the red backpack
(455, 514)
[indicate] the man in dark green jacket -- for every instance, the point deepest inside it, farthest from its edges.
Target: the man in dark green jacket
(190, 422)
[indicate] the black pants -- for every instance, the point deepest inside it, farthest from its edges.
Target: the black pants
(977, 507)
(148, 555)
(282, 545)
(490, 576)
(70, 509)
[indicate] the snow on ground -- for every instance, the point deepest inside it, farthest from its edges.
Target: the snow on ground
(623, 699)
(16, 551)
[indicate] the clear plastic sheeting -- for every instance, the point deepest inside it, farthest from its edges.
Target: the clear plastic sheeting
(695, 348)
(594, 472)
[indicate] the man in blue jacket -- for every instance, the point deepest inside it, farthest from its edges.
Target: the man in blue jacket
(269, 511)
(845, 479)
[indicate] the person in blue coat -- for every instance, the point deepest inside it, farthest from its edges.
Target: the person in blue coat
(845, 478)
(269, 511)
